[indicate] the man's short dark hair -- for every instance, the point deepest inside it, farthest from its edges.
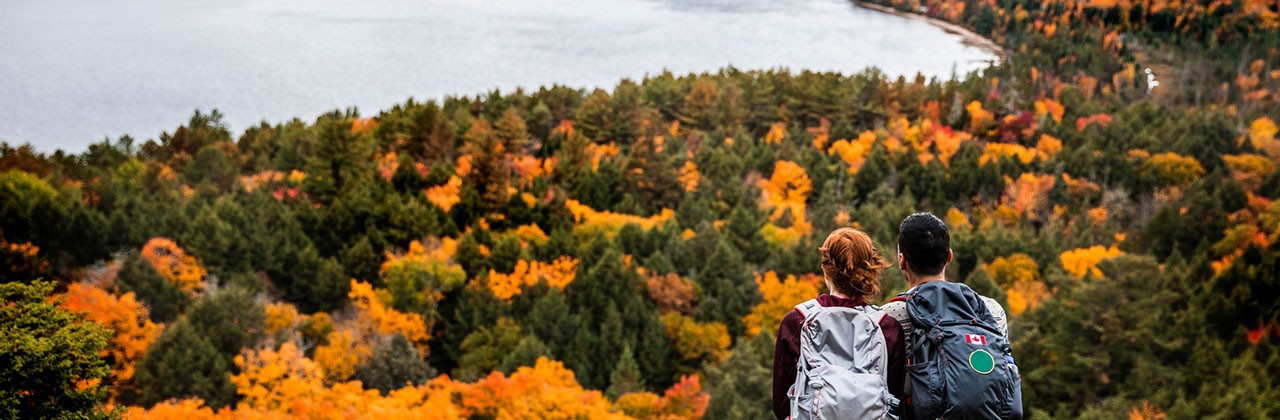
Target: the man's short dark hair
(924, 243)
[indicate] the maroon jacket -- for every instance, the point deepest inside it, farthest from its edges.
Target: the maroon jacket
(787, 352)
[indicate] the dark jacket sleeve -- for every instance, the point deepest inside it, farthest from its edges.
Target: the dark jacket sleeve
(785, 354)
(896, 345)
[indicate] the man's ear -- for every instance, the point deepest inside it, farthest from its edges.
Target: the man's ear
(950, 255)
(902, 262)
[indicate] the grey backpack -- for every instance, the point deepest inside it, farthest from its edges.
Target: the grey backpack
(959, 365)
(841, 373)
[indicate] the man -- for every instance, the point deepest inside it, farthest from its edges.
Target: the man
(959, 357)
(924, 252)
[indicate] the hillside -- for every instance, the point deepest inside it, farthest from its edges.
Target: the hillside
(629, 252)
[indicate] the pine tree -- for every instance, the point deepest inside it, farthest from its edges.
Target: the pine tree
(526, 353)
(230, 319)
(728, 289)
(211, 166)
(511, 132)
(626, 376)
(49, 358)
(183, 363)
(741, 387)
(486, 348)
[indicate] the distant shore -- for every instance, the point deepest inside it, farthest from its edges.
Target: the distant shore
(970, 37)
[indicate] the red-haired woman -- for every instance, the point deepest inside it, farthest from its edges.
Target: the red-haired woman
(851, 270)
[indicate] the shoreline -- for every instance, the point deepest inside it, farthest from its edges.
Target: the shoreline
(968, 36)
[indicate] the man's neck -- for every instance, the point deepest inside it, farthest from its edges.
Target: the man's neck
(916, 281)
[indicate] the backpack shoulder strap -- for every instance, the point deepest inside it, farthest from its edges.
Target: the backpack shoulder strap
(808, 307)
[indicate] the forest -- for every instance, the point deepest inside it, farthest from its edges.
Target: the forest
(629, 253)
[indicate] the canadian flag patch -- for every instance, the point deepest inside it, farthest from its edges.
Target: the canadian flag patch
(975, 339)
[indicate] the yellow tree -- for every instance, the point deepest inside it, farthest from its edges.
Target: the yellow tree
(1049, 108)
(343, 350)
(418, 277)
(1048, 146)
(557, 274)
(174, 265)
(786, 192)
(777, 132)
(388, 321)
(979, 118)
(1262, 134)
(589, 221)
(1028, 194)
(445, 195)
(780, 296)
(689, 176)
(1172, 169)
(1249, 170)
(275, 379)
(854, 153)
(1019, 275)
(697, 341)
(993, 152)
(547, 390)
(1084, 261)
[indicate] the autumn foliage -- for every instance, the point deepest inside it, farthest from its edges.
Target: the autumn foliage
(386, 320)
(449, 236)
(174, 264)
(780, 297)
(1084, 261)
(671, 293)
(280, 383)
(132, 330)
(557, 274)
(1019, 275)
(786, 193)
(590, 220)
(697, 341)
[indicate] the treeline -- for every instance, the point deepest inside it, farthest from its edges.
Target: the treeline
(630, 252)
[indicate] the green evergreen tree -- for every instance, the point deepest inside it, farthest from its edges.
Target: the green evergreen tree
(525, 354)
(340, 157)
(229, 319)
(211, 166)
(45, 353)
(741, 387)
(626, 376)
(729, 290)
(183, 363)
(485, 349)
(361, 260)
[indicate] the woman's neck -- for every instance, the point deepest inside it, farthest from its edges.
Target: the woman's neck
(831, 289)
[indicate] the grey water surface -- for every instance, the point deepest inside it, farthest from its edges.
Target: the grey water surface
(73, 72)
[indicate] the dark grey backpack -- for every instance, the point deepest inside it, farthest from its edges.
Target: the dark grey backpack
(959, 365)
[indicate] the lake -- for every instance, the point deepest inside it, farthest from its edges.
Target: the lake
(73, 72)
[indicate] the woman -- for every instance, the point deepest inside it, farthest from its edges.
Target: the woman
(851, 270)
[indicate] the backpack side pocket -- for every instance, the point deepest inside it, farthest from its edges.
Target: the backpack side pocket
(926, 391)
